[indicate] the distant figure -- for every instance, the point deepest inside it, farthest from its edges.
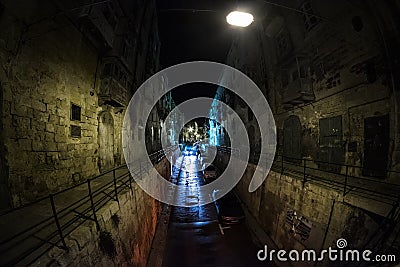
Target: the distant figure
(198, 153)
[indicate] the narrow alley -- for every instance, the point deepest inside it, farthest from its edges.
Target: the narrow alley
(196, 237)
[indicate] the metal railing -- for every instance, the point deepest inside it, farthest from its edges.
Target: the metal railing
(32, 230)
(345, 179)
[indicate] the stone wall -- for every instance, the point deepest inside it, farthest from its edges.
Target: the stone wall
(322, 215)
(39, 87)
(125, 237)
(348, 65)
(48, 65)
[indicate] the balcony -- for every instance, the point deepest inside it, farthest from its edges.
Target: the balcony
(112, 92)
(298, 92)
(96, 27)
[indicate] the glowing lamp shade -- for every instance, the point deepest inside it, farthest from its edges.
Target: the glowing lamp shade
(240, 19)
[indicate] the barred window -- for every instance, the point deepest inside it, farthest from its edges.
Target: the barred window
(75, 112)
(75, 131)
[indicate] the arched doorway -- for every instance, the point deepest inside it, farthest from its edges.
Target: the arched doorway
(106, 141)
(292, 138)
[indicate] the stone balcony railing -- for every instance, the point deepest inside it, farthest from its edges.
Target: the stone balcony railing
(298, 92)
(112, 92)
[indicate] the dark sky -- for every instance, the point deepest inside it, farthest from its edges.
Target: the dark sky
(190, 36)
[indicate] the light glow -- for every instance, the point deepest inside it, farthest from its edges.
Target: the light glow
(240, 19)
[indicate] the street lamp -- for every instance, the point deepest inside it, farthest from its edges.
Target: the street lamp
(240, 19)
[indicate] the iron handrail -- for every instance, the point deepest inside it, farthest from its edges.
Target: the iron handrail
(64, 221)
(279, 161)
(225, 148)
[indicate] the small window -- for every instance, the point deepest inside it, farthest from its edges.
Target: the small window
(75, 131)
(75, 112)
(333, 81)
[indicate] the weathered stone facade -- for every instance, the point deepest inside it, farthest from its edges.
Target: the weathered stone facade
(313, 216)
(68, 72)
(125, 236)
(332, 84)
(330, 75)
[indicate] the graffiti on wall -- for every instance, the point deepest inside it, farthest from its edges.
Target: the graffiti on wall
(299, 226)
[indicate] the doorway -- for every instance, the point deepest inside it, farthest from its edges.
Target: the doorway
(331, 150)
(292, 139)
(106, 141)
(376, 146)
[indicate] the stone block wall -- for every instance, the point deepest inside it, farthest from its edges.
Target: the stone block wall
(350, 71)
(125, 237)
(43, 74)
(356, 104)
(322, 215)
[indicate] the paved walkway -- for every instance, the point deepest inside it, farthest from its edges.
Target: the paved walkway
(195, 237)
(30, 232)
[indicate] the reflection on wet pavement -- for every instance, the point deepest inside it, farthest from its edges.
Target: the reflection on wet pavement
(191, 179)
(195, 237)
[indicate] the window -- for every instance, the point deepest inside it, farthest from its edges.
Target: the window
(75, 131)
(376, 145)
(333, 81)
(310, 20)
(75, 112)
